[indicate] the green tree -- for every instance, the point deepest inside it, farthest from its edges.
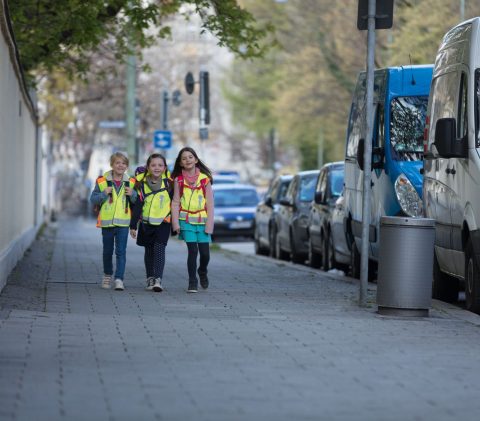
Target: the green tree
(52, 33)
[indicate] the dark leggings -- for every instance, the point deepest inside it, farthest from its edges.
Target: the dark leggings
(155, 260)
(193, 249)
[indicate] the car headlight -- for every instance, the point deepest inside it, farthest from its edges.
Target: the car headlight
(218, 218)
(408, 197)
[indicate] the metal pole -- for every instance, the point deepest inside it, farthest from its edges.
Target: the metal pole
(165, 111)
(462, 10)
(320, 149)
(367, 174)
(130, 108)
(272, 151)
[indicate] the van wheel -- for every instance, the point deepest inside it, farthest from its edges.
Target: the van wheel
(314, 259)
(355, 261)
(472, 280)
(444, 287)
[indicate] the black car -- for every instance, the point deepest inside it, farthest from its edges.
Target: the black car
(291, 238)
(234, 209)
(265, 215)
(328, 190)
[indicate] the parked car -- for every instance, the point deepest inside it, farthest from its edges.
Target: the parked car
(291, 239)
(226, 177)
(400, 97)
(451, 190)
(265, 215)
(328, 189)
(235, 206)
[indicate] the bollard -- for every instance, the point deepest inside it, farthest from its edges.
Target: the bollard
(405, 266)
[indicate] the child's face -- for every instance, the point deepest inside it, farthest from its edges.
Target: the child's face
(156, 167)
(188, 160)
(119, 166)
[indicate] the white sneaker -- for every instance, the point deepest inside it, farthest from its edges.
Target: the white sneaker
(119, 285)
(157, 286)
(150, 283)
(107, 279)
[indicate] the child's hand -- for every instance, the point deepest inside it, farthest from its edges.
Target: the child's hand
(128, 191)
(133, 233)
(108, 190)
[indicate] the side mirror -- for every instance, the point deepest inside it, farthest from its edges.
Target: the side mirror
(285, 202)
(445, 140)
(269, 201)
(318, 197)
(360, 152)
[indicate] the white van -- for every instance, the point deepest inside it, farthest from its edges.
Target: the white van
(400, 106)
(451, 189)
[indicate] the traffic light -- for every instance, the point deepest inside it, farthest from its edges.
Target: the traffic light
(204, 98)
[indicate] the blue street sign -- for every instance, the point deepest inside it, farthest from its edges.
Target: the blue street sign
(162, 139)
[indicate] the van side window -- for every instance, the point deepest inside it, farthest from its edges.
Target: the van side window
(462, 126)
(444, 91)
(354, 131)
(380, 127)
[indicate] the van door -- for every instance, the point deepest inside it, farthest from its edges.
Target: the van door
(456, 179)
(438, 181)
(380, 181)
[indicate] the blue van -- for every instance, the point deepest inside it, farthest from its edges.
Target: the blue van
(400, 105)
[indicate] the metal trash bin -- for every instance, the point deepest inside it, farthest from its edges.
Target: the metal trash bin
(405, 266)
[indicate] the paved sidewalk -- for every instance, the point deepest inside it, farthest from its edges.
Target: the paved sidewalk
(268, 341)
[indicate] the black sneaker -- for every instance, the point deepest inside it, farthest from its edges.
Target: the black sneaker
(203, 280)
(192, 286)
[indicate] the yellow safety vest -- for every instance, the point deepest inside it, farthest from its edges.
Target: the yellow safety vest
(156, 204)
(193, 203)
(115, 211)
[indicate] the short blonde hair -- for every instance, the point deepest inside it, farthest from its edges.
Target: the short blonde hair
(118, 155)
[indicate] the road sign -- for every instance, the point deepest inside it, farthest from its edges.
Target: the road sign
(111, 124)
(162, 139)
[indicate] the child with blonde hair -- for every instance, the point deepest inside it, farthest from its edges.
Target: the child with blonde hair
(113, 194)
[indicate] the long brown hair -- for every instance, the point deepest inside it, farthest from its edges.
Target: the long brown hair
(177, 168)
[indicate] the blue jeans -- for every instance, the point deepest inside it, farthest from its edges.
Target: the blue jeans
(117, 236)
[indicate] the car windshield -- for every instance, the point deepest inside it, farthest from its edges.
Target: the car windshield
(307, 187)
(235, 198)
(407, 121)
(336, 182)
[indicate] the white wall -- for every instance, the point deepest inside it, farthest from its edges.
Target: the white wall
(19, 189)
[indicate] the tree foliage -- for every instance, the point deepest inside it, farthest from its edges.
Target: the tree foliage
(319, 55)
(53, 33)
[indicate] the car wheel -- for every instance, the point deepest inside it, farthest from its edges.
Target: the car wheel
(314, 259)
(472, 280)
(294, 255)
(355, 261)
(281, 254)
(444, 287)
(256, 243)
(272, 233)
(328, 259)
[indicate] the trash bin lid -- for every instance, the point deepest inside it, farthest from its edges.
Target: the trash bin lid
(407, 221)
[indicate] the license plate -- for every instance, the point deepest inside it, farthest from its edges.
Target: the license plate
(240, 224)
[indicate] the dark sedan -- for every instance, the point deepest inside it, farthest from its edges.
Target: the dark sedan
(328, 190)
(265, 227)
(234, 209)
(291, 240)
